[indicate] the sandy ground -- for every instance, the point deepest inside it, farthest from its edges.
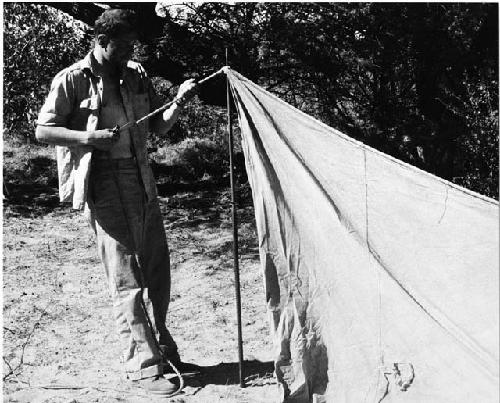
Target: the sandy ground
(58, 333)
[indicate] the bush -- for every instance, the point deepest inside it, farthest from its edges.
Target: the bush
(38, 43)
(478, 150)
(197, 144)
(198, 158)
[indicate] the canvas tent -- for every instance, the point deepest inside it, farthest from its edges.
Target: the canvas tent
(381, 280)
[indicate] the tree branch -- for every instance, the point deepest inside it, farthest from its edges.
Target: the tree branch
(84, 12)
(23, 348)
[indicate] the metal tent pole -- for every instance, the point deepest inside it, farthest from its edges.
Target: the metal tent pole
(235, 230)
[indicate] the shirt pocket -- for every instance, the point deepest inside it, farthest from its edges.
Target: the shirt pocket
(86, 114)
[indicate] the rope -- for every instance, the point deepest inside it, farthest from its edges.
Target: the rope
(168, 104)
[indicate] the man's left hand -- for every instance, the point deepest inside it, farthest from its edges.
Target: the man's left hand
(187, 90)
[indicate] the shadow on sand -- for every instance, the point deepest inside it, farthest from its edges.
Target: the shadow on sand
(228, 374)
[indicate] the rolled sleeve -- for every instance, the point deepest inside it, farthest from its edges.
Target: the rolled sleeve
(59, 103)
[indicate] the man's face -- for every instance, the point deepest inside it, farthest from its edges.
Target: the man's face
(119, 50)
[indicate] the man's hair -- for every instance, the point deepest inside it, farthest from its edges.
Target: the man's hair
(115, 22)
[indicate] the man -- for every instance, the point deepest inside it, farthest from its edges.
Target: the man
(106, 172)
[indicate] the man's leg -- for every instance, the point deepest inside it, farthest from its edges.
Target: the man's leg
(156, 262)
(117, 219)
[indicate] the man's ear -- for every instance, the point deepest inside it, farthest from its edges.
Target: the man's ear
(102, 40)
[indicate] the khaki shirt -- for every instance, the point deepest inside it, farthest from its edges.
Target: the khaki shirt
(74, 102)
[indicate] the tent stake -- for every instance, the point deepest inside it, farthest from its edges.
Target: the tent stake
(235, 230)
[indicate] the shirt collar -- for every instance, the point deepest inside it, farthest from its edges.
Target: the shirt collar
(89, 63)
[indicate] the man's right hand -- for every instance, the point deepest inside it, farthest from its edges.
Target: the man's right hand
(103, 139)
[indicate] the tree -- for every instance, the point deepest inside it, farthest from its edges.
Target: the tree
(33, 54)
(417, 81)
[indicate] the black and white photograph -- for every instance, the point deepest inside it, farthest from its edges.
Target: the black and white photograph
(250, 202)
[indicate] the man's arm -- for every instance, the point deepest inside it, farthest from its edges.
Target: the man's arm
(161, 124)
(62, 136)
(58, 106)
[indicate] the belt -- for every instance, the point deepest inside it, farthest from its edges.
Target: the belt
(116, 163)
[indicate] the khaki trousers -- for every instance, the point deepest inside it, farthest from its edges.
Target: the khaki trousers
(132, 245)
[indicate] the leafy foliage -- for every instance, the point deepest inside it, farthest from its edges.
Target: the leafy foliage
(418, 81)
(38, 42)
